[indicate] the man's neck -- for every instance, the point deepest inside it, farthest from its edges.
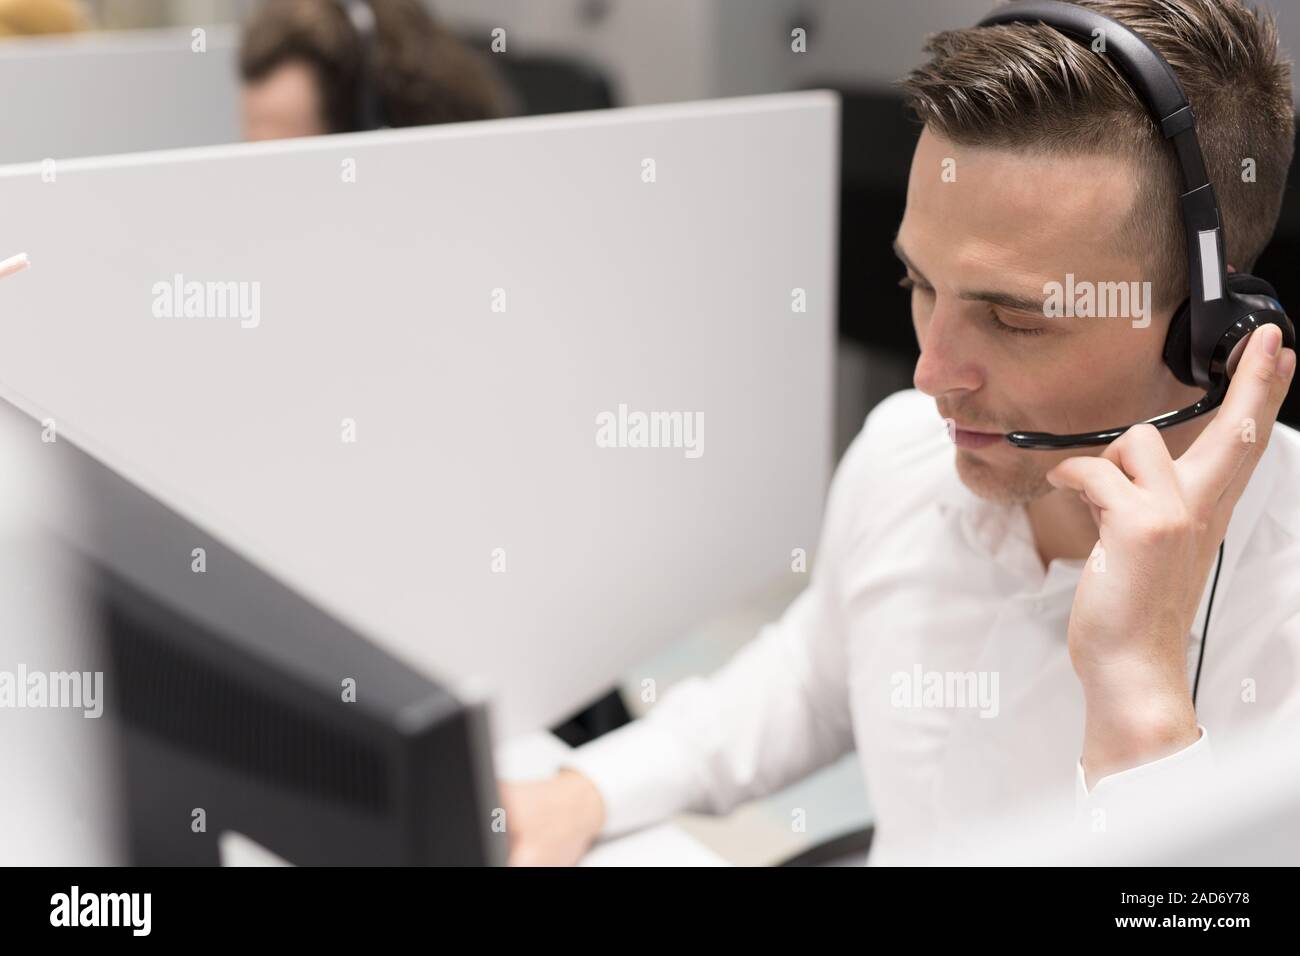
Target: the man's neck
(1062, 526)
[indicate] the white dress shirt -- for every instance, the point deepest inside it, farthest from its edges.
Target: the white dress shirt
(917, 576)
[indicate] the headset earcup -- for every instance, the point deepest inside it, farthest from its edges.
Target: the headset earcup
(1243, 283)
(1178, 344)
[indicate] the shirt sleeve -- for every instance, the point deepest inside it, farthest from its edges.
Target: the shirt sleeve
(1107, 804)
(777, 711)
(774, 713)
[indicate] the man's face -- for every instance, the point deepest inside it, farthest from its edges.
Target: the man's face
(283, 104)
(984, 233)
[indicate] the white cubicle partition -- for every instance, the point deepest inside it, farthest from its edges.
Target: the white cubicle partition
(126, 91)
(387, 367)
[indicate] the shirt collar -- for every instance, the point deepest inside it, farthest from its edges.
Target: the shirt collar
(1000, 531)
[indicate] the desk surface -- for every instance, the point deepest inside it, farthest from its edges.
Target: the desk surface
(539, 754)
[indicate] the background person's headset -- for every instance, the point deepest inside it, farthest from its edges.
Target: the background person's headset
(1208, 330)
(1223, 308)
(366, 112)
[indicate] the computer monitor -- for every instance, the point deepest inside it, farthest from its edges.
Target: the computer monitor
(242, 710)
(59, 804)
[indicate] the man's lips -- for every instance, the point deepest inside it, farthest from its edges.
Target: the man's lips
(973, 438)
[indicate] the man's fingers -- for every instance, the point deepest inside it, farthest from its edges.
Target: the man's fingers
(1099, 478)
(1286, 373)
(1241, 427)
(1142, 453)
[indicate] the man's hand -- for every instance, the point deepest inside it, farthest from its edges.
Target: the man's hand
(551, 822)
(1160, 523)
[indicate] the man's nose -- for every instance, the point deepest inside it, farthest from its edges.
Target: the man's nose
(946, 364)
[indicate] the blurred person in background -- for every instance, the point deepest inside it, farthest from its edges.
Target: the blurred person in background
(304, 66)
(33, 17)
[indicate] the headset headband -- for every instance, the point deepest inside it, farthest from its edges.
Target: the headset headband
(362, 17)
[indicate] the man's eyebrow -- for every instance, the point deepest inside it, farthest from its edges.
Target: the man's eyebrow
(1013, 303)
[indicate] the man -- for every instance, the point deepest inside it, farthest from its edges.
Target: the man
(303, 67)
(1071, 586)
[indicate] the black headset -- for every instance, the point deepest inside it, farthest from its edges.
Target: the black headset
(1223, 308)
(366, 113)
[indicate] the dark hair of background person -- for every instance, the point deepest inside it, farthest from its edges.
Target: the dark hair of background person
(422, 73)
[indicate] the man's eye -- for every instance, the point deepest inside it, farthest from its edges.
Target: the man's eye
(911, 285)
(1011, 329)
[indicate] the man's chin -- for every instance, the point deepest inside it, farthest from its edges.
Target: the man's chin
(1013, 482)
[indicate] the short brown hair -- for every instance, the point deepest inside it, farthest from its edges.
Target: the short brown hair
(1029, 86)
(422, 74)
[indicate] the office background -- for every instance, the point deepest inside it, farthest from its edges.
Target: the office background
(588, 54)
(585, 54)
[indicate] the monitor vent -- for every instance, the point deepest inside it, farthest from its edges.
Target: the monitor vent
(204, 709)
